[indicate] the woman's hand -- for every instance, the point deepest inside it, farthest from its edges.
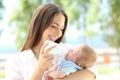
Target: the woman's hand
(44, 62)
(44, 57)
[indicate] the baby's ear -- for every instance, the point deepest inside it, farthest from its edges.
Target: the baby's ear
(78, 63)
(69, 51)
(54, 67)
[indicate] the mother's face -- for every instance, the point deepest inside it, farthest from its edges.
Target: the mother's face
(54, 31)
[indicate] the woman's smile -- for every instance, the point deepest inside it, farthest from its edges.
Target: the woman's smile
(51, 38)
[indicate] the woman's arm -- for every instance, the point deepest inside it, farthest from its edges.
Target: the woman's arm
(80, 75)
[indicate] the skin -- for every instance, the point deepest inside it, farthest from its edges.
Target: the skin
(43, 27)
(81, 76)
(52, 33)
(74, 54)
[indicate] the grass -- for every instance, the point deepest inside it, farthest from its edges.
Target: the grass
(108, 70)
(2, 74)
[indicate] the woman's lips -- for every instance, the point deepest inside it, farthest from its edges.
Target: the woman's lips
(52, 38)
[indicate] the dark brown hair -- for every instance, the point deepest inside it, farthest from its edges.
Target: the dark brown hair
(40, 21)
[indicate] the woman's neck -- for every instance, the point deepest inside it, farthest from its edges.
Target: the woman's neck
(36, 50)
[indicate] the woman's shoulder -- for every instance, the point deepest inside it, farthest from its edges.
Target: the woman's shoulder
(21, 55)
(19, 63)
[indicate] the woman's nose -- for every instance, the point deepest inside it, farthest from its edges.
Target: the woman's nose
(58, 33)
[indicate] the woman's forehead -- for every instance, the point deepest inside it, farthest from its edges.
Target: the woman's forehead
(59, 20)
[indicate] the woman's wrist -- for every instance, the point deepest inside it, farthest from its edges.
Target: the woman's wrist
(38, 73)
(41, 67)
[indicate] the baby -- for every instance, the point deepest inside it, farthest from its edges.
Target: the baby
(79, 57)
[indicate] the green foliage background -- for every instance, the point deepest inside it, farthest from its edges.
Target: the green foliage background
(23, 12)
(89, 11)
(1, 8)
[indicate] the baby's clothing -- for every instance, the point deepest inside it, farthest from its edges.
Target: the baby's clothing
(59, 58)
(22, 65)
(60, 52)
(68, 66)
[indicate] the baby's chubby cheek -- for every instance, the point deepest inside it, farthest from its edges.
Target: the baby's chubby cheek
(75, 58)
(70, 57)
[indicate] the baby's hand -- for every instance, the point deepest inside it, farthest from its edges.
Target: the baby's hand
(53, 68)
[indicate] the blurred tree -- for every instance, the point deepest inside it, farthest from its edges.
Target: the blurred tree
(114, 24)
(80, 13)
(92, 17)
(94, 9)
(111, 29)
(1, 13)
(76, 10)
(1, 9)
(21, 17)
(22, 14)
(115, 14)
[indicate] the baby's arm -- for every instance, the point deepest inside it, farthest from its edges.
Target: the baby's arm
(62, 73)
(57, 74)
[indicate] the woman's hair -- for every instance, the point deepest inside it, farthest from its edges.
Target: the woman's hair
(40, 21)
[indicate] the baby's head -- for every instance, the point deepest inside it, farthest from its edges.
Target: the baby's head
(82, 55)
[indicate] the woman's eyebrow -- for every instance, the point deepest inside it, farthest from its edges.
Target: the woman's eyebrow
(55, 23)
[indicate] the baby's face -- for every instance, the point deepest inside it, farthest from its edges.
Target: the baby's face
(74, 54)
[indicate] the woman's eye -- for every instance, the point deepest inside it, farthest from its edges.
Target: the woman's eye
(53, 26)
(61, 29)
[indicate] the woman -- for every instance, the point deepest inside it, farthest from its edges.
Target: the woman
(49, 22)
